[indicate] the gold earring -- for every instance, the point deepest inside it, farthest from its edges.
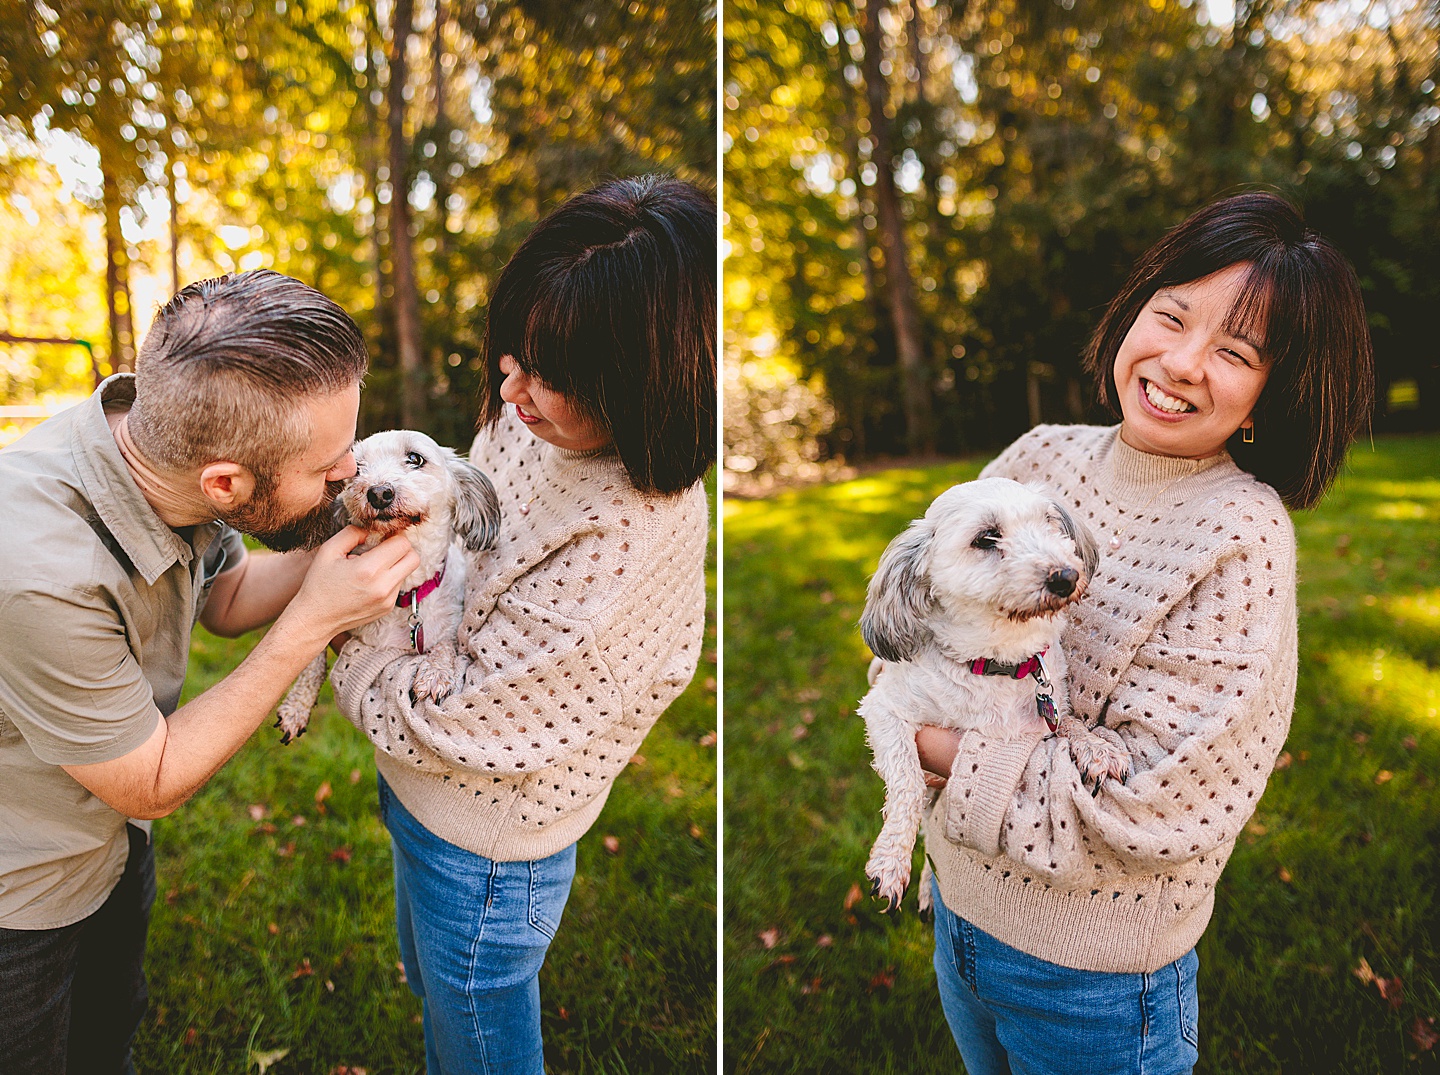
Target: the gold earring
(1247, 435)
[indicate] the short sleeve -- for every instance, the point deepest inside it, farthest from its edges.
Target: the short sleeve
(71, 684)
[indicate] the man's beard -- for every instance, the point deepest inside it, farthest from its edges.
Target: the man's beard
(263, 520)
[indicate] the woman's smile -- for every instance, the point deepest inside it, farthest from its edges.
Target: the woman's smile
(1187, 378)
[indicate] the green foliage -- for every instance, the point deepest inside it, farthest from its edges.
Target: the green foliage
(1041, 146)
(263, 123)
(1339, 863)
(277, 932)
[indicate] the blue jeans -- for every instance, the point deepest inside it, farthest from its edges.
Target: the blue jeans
(1014, 1013)
(73, 997)
(473, 934)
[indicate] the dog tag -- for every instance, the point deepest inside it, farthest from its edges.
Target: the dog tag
(1045, 705)
(417, 632)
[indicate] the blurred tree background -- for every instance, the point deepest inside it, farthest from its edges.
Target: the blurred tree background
(929, 202)
(390, 152)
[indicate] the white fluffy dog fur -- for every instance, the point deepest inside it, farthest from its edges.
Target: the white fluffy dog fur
(986, 573)
(405, 481)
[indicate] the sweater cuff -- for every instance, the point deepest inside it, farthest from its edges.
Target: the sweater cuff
(355, 672)
(982, 784)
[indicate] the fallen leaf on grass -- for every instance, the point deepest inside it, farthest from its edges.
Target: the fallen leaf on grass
(346, 1069)
(884, 980)
(710, 684)
(1285, 875)
(1409, 742)
(824, 941)
(298, 821)
(853, 896)
(1392, 989)
(807, 716)
(637, 760)
(1361, 737)
(796, 761)
(778, 961)
(1257, 828)
(812, 986)
(273, 928)
(564, 1014)
(257, 811)
(329, 986)
(191, 1035)
(697, 832)
(1422, 1033)
(354, 776)
(769, 937)
(1384, 776)
(341, 855)
(265, 1059)
(709, 739)
(1283, 761)
(799, 732)
(612, 844)
(1304, 755)
(304, 970)
(267, 828)
(399, 966)
(286, 851)
(1363, 971)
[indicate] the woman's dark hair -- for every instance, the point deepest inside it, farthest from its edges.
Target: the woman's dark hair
(610, 301)
(1302, 300)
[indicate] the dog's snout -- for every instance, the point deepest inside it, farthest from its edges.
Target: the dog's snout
(382, 496)
(1061, 582)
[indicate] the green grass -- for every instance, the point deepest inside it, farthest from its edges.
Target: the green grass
(1339, 865)
(271, 935)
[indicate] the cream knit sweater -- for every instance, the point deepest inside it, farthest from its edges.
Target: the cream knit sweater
(582, 626)
(1185, 647)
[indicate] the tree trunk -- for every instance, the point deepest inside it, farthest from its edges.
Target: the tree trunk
(117, 275)
(174, 220)
(914, 375)
(407, 300)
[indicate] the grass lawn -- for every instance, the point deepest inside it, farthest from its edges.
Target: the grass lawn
(1339, 869)
(273, 929)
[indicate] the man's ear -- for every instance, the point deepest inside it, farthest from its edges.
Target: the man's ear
(227, 485)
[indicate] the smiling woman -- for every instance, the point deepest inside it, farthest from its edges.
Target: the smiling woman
(1183, 653)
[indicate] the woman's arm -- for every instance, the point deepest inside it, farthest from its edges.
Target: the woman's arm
(1203, 725)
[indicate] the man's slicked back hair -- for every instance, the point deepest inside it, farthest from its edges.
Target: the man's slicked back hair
(226, 364)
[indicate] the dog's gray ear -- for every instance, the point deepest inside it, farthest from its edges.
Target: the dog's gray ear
(898, 600)
(1084, 540)
(477, 508)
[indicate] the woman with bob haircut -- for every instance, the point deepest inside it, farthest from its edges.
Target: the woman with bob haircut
(1066, 916)
(597, 425)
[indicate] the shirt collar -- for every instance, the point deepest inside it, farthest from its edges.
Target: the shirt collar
(151, 546)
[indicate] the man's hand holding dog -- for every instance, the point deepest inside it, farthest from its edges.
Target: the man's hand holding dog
(338, 593)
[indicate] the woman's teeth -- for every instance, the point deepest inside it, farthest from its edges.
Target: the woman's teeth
(1164, 401)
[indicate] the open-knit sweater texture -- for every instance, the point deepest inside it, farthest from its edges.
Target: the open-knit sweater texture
(580, 628)
(1184, 647)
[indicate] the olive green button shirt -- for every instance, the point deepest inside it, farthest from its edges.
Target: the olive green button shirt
(97, 601)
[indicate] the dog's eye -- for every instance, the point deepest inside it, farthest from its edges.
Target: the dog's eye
(414, 459)
(986, 539)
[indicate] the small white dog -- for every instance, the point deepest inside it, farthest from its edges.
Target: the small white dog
(965, 611)
(405, 481)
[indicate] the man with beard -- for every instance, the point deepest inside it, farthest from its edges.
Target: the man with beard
(119, 533)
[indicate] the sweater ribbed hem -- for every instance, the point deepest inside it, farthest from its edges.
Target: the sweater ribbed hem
(1000, 765)
(1132, 933)
(477, 813)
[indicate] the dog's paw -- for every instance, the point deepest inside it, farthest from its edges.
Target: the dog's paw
(1099, 760)
(888, 880)
(292, 720)
(435, 678)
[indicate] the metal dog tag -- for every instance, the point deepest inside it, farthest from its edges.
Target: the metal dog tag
(417, 632)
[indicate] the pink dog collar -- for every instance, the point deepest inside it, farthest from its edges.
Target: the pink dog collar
(1031, 666)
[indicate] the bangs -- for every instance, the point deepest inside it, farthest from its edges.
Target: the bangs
(1249, 316)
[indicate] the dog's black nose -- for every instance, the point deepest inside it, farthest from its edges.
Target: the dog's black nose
(1061, 581)
(382, 496)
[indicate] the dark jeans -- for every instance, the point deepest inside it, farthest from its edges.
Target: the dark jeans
(73, 997)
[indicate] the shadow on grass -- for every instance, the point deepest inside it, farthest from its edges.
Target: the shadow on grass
(1338, 864)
